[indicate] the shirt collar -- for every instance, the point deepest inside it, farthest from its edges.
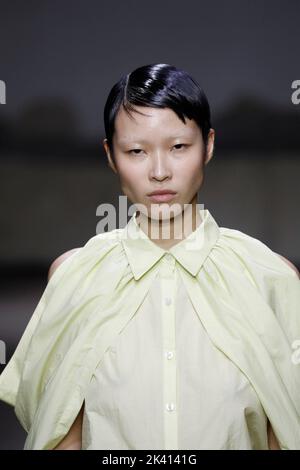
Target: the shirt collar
(142, 253)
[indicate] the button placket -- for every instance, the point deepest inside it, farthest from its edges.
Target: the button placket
(169, 354)
(168, 291)
(170, 406)
(167, 266)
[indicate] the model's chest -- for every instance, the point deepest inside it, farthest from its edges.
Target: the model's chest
(164, 351)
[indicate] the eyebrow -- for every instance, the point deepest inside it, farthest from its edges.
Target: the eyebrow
(145, 141)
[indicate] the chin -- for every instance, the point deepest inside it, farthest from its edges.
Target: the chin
(164, 211)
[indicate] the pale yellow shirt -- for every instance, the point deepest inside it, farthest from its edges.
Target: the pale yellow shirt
(164, 385)
(222, 302)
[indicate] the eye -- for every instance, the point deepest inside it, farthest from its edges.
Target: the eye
(182, 145)
(135, 150)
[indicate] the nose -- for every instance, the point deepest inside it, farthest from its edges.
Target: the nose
(160, 168)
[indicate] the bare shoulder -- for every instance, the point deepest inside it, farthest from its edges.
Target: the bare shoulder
(54, 265)
(290, 264)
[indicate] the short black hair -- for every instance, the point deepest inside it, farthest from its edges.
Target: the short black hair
(158, 86)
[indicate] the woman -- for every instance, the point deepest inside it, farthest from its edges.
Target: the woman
(172, 333)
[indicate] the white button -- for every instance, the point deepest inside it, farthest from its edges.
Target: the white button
(169, 354)
(169, 257)
(170, 407)
(168, 301)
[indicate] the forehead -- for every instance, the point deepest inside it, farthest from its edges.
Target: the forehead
(154, 122)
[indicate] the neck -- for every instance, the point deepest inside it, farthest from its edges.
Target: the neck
(167, 233)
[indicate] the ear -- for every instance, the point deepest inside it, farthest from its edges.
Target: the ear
(210, 146)
(111, 163)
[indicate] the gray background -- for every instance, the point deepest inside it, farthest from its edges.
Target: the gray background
(59, 60)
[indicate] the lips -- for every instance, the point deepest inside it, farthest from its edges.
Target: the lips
(161, 191)
(162, 196)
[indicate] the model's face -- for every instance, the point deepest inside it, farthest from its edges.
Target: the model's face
(158, 151)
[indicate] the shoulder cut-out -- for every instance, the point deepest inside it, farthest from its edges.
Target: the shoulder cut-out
(290, 264)
(54, 265)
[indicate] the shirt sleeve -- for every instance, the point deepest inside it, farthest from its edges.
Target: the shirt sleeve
(266, 290)
(11, 375)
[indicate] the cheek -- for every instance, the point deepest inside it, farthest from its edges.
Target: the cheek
(131, 177)
(127, 172)
(191, 173)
